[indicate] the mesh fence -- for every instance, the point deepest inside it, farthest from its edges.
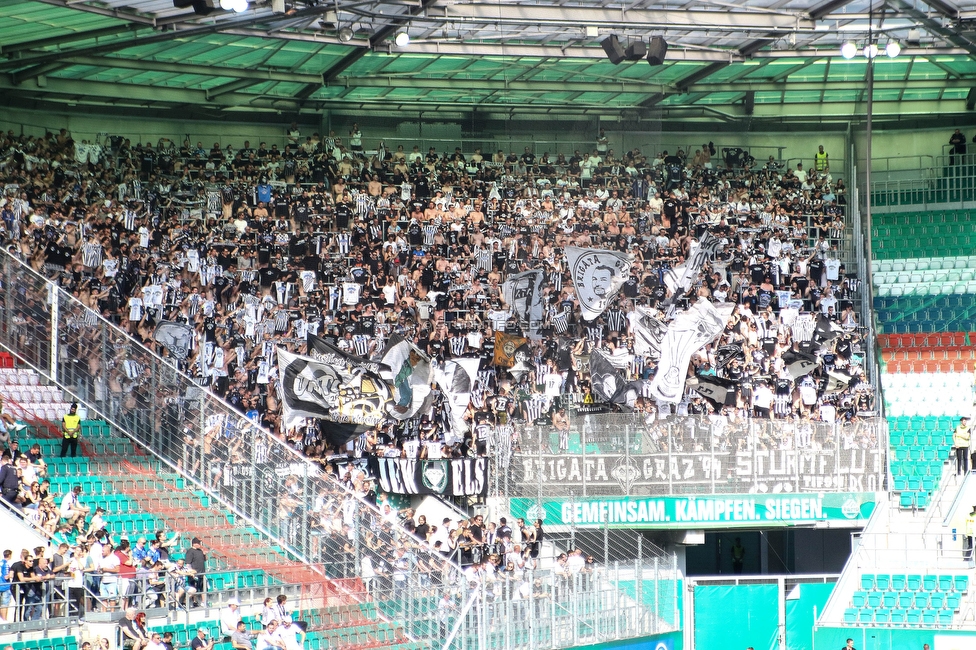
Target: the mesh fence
(308, 515)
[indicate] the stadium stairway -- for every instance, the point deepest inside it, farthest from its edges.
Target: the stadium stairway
(908, 569)
(925, 313)
(141, 496)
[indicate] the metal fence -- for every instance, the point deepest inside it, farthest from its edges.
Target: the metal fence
(266, 482)
(630, 455)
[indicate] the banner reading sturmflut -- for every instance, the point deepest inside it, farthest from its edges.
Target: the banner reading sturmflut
(349, 399)
(597, 276)
(456, 477)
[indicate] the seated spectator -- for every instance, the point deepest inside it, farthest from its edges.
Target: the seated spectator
(133, 635)
(73, 511)
(241, 638)
(230, 616)
(269, 638)
(200, 642)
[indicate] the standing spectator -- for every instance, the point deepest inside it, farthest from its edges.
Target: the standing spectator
(356, 140)
(960, 441)
(9, 482)
(127, 572)
(70, 430)
(108, 589)
(196, 559)
(970, 534)
(5, 576)
(958, 142)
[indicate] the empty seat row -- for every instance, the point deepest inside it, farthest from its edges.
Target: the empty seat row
(907, 599)
(912, 582)
(921, 439)
(869, 615)
(933, 340)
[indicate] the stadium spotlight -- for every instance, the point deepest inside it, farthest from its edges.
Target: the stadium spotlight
(848, 50)
(345, 34)
(402, 39)
(870, 50)
(892, 49)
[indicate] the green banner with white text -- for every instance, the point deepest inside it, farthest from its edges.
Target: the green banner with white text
(840, 509)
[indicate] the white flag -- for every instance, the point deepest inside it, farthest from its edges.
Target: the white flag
(689, 332)
(597, 276)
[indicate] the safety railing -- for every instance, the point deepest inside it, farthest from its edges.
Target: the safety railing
(290, 501)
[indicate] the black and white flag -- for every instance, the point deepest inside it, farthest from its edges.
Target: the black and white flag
(321, 350)
(826, 329)
(348, 400)
(409, 373)
(456, 379)
(719, 391)
(836, 382)
(680, 279)
(523, 294)
(690, 331)
(799, 364)
(609, 383)
(597, 276)
(649, 330)
(175, 337)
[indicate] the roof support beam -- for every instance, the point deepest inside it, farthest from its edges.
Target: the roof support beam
(951, 35)
(33, 72)
(229, 87)
(380, 35)
(64, 39)
(141, 38)
(827, 8)
(189, 68)
(507, 12)
(700, 74)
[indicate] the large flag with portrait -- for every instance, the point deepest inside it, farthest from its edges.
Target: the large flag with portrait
(597, 275)
(349, 400)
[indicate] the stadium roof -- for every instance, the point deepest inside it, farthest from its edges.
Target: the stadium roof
(542, 56)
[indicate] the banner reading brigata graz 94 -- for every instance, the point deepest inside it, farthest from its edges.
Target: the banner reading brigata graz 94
(611, 455)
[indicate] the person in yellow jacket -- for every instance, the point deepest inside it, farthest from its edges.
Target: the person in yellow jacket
(70, 430)
(970, 532)
(960, 440)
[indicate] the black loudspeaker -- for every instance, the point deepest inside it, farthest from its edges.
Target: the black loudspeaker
(971, 99)
(657, 50)
(635, 51)
(749, 102)
(613, 49)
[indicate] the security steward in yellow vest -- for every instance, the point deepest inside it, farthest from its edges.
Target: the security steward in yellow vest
(820, 161)
(70, 430)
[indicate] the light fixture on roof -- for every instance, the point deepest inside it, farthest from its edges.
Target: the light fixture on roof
(237, 6)
(870, 50)
(892, 49)
(848, 50)
(402, 39)
(345, 34)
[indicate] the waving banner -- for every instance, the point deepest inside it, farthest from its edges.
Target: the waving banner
(321, 350)
(609, 383)
(523, 294)
(409, 373)
(649, 331)
(456, 378)
(505, 347)
(680, 279)
(175, 337)
(597, 276)
(350, 400)
(689, 332)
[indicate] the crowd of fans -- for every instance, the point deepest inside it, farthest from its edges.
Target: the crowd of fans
(257, 247)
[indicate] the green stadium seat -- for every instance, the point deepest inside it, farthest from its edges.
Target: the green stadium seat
(945, 618)
(898, 582)
(913, 616)
(882, 616)
(897, 616)
(937, 601)
(874, 599)
(859, 598)
(960, 584)
(866, 615)
(921, 600)
(930, 583)
(889, 599)
(905, 600)
(867, 581)
(881, 581)
(929, 617)
(953, 601)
